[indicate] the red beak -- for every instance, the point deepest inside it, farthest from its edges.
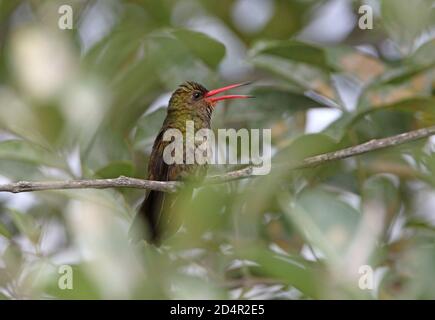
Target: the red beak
(209, 95)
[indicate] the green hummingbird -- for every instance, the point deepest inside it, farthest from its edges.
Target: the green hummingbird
(190, 102)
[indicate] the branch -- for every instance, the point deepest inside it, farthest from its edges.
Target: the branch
(120, 182)
(172, 186)
(369, 146)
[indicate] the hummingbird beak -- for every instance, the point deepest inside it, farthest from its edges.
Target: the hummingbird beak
(209, 95)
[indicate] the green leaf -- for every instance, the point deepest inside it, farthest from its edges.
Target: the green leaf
(4, 231)
(113, 200)
(13, 260)
(323, 219)
(278, 100)
(424, 55)
(199, 221)
(116, 169)
(381, 191)
(420, 224)
(108, 146)
(147, 128)
(306, 77)
(114, 52)
(293, 50)
(291, 271)
(421, 108)
(24, 151)
(83, 286)
(271, 104)
(288, 18)
(26, 225)
(406, 20)
(6, 8)
(406, 97)
(302, 64)
(307, 145)
(202, 46)
(399, 75)
(174, 61)
(355, 63)
(4, 277)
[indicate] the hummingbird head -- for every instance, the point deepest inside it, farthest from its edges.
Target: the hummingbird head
(195, 97)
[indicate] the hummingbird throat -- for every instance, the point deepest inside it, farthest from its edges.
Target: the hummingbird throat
(202, 147)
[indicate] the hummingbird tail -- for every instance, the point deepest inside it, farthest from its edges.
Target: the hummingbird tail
(150, 212)
(162, 215)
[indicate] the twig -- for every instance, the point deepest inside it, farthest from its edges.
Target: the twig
(369, 146)
(120, 182)
(247, 172)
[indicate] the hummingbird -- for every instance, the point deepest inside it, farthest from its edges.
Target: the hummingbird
(191, 101)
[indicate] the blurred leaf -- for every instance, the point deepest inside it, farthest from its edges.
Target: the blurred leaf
(406, 20)
(175, 62)
(6, 7)
(26, 225)
(294, 272)
(338, 128)
(109, 56)
(113, 200)
(272, 107)
(355, 63)
(424, 55)
(244, 231)
(158, 13)
(23, 151)
(304, 76)
(163, 58)
(83, 286)
(303, 64)
(287, 19)
(13, 258)
(277, 100)
(399, 75)
(326, 222)
(306, 146)
(20, 170)
(107, 146)
(147, 128)
(202, 46)
(199, 221)
(420, 224)
(116, 169)
(4, 231)
(4, 278)
(303, 147)
(293, 50)
(409, 277)
(380, 194)
(421, 108)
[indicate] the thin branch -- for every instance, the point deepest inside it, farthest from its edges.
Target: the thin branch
(369, 146)
(120, 182)
(247, 172)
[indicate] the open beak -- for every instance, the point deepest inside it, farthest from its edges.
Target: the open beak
(210, 95)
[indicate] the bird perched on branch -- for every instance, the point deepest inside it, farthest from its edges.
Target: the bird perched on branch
(190, 102)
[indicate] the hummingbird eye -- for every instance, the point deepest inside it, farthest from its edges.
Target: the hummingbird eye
(196, 95)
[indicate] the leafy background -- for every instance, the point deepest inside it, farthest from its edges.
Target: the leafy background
(87, 103)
